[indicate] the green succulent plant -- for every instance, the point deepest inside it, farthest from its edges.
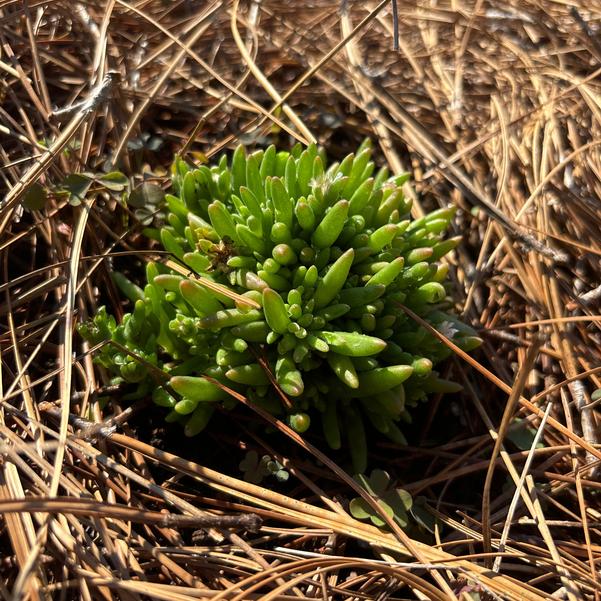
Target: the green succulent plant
(300, 268)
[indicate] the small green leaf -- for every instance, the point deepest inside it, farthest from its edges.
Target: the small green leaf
(360, 509)
(400, 503)
(281, 475)
(376, 520)
(421, 515)
(275, 468)
(146, 195)
(35, 198)
(145, 142)
(153, 143)
(77, 186)
(379, 481)
(254, 469)
(115, 181)
(522, 435)
(395, 502)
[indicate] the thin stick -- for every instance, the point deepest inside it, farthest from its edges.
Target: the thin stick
(60, 505)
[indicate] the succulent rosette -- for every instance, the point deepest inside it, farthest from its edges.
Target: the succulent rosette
(298, 273)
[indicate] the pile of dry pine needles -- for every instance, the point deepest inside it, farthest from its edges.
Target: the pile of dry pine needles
(494, 106)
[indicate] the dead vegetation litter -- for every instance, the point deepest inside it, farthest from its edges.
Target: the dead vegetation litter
(493, 106)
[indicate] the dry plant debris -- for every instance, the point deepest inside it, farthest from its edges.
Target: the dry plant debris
(493, 106)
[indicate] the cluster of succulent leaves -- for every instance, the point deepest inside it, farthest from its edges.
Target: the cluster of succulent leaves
(297, 276)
